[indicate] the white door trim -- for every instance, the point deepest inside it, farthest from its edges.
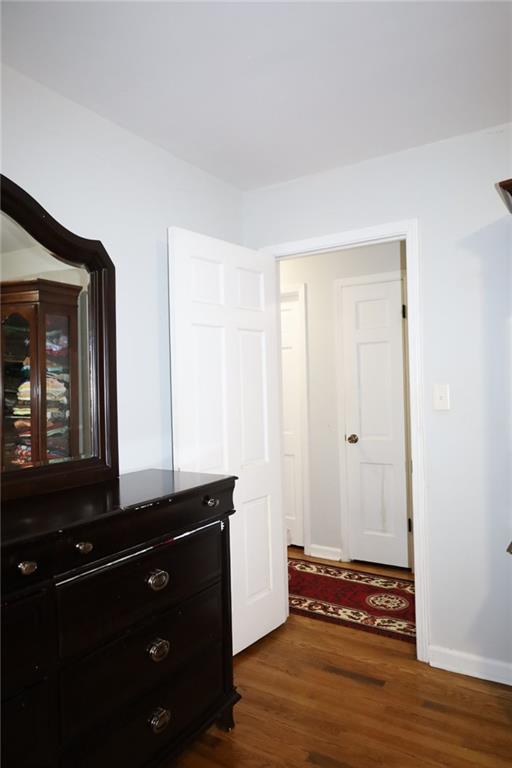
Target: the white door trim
(339, 284)
(299, 290)
(380, 277)
(403, 230)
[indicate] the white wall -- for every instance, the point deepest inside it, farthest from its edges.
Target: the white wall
(318, 273)
(102, 182)
(465, 241)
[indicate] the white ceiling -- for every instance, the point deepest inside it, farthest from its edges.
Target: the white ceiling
(258, 93)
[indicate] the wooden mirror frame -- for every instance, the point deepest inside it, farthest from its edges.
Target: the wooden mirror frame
(77, 251)
(505, 192)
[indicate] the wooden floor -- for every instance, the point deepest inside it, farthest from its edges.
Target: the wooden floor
(319, 694)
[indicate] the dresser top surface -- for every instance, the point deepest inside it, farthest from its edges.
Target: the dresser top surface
(36, 516)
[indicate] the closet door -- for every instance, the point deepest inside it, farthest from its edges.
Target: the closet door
(225, 385)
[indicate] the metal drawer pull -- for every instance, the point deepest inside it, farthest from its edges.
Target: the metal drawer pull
(159, 720)
(211, 502)
(159, 650)
(27, 567)
(84, 547)
(157, 580)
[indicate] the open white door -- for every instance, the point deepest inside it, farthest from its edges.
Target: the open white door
(225, 380)
(371, 313)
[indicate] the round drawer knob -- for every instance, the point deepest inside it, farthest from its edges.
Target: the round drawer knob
(84, 547)
(157, 580)
(27, 567)
(211, 502)
(159, 650)
(159, 720)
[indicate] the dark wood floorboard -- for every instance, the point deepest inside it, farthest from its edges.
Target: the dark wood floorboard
(318, 695)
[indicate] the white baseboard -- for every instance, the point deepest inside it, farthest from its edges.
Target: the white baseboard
(470, 664)
(327, 553)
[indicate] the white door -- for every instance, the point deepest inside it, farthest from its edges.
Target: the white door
(375, 420)
(225, 376)
(293, 374)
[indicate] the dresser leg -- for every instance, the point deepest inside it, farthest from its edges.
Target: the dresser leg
(226, 721)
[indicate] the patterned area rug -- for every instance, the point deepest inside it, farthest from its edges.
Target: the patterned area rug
(360, 600)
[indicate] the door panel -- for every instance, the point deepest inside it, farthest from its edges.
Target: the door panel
(292, 371)
(253, 396)
(225, 413)
(375, 413)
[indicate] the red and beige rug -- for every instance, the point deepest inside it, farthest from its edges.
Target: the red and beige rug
(359, 600)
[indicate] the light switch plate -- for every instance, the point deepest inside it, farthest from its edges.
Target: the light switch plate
(441, 397)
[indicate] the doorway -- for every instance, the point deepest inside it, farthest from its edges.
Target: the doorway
(344, 359)
(357, 288)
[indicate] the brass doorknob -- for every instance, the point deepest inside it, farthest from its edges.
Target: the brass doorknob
(352, 439)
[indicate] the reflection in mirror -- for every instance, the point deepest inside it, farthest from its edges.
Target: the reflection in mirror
(46, 367)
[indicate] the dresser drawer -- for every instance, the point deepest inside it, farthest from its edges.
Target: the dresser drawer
(140, 661)
(29, 639)
(24, 565)
(158, 719)
(104, 602)
(86, 544)
(29, 728)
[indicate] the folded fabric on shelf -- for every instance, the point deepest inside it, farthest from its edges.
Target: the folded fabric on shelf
(53, 384)
(61, 448)
(20, 424)
(56, 391)
(64, 377)
(57, 399)
(62, 430)
(24, 391)
(57, 413)
(56, 424)
(23, 451)
(56, 354)
(21, 410)
(57, 344)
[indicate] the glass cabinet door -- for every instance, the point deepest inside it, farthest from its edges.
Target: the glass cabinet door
(19, 448)
(58, 381)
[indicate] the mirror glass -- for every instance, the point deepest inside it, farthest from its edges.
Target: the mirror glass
(46, 354)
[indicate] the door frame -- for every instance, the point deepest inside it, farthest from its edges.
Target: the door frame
(299, 290)
(339, 284)
(407, 231)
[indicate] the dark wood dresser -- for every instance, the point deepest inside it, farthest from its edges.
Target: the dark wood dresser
(116, 621)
